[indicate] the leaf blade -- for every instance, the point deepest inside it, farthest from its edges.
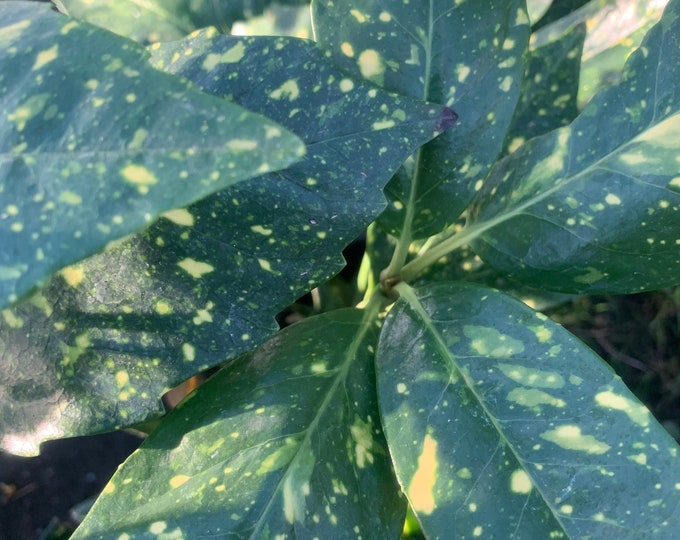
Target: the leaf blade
(97, 144)
(294, 449)
(450, 55)
(204, 284)
(595, 202)
(530, 427)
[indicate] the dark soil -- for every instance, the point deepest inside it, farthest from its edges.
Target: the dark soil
(37, 494)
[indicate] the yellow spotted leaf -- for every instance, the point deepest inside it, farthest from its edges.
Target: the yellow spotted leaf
(95, 143)
(501, 424)
(284, 442)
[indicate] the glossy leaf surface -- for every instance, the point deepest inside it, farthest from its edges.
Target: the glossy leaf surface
(503, 425)
(284, 442)
(594, 207)
(95, 144)
(202, 285)
(549, 88)
(466, 55)
(164, 20)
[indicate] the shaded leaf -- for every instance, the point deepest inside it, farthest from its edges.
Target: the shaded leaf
(593, 207)
(467, 56)
(96, 348)
(94, 143)
(164, 20)
(549, 89)
(503, 425)
(284, 442)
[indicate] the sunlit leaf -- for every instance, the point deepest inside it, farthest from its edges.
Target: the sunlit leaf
(549, 89)
(99, 345)
(284, 442)
(503, 425)
(95, 144)
(594, 207)
(466, 55)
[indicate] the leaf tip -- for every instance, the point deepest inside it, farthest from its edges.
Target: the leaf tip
(448, 118)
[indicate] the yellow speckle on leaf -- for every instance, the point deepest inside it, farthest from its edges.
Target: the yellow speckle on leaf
(421, 488)
(109, 488)
(612, 199)
(180, 216)
(69, 197)
(385, 124)
(347, 49)
(570, 437)
(265, 265)
(235, 54)
(178, 480)
(29, 109)
(370, 64)
(242, 144)
(45, 57)
(637, 412)
(122, 378)
(189, 352)
(346, 85)
(288, 90)
(195, 269)
(138, 175)
(520, 482)
(12, 319)
(73, 275)
(360, 17)
(162, 308)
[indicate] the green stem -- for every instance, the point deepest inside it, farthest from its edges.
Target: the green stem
(401, 251)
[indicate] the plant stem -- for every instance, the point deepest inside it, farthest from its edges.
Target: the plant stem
(401, 251)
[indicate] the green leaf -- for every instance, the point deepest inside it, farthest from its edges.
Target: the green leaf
(284, 442)
(109, 335)
(95, 144)
(164, 20)
(593, 207)
(503, 425)
(467, 56)
(549, 89)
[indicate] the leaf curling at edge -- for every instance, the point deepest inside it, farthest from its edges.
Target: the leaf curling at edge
(97, 144)
(109, 335)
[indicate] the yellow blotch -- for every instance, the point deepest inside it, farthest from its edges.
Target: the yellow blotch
(385, 16)
(420, 490)
(530, 397)
(29, 109)
(69, 197)
(360, 17)
(462, 71)
(138, 139)
(259, 229)
(370, 64)
(288, 90)
(347, 49)
(68, 27)
(363, 441)
(138, 175)
(45, 57)
(265, 265)
(385, 124)
(346, 85)
(12, 320)
(162, 308)
(235, 54)
(506, 84)
(180, 216)
(570, 437)
(73, 275)
(542, 333)
(532, 377)
(178, 480)
(13, 31)
(637, 412)
(612, 199)
(195, 269)
(122, 378)
(189, 352)
(12, 209)
(520, 482)
(243, 144)
(109, 488)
